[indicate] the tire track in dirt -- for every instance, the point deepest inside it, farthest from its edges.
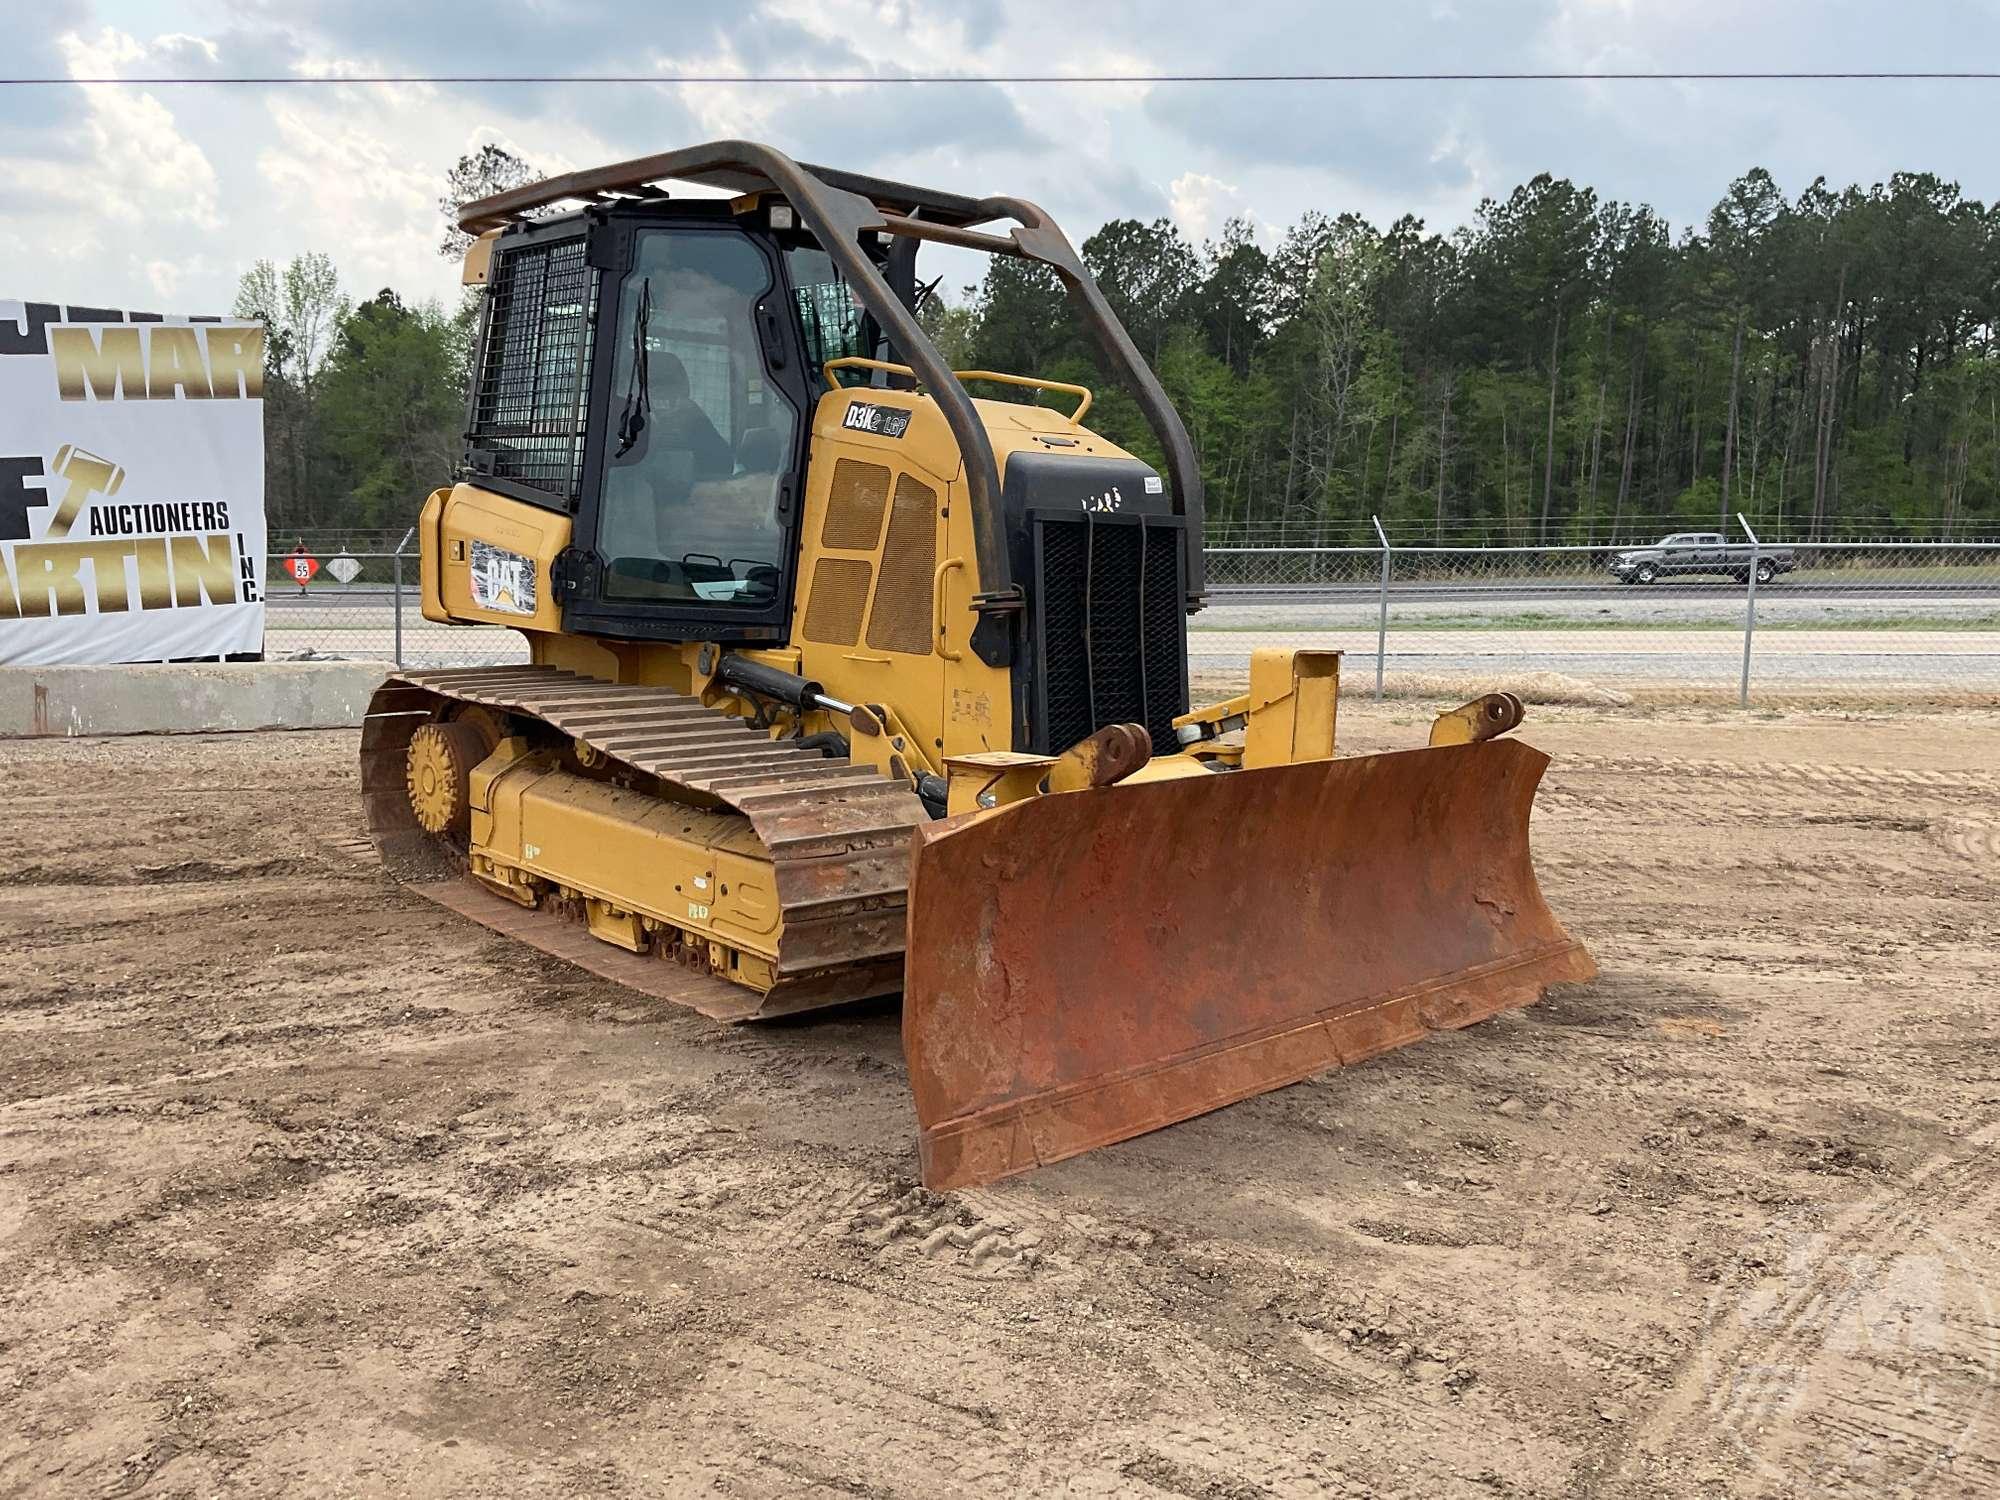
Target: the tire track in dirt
(1976, 840)
(1780, 871)
(576, 1224)
(716, 1209)
(1714, 1404)
(769, 1396)
(1794, 773)
(217, 875)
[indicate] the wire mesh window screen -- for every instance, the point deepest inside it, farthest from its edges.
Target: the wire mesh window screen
(834, 324)
(529, 407)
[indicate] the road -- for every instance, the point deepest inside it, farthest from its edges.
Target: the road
(1959, 660)
(1885, 638)
(1226, 595)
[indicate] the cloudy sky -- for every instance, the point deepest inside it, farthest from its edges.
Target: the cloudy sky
(156, 197)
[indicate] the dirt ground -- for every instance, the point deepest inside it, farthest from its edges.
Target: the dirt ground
(310, 1187)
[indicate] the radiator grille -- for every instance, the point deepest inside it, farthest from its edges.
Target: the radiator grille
(839, 596)
(528, 406)
(1110, 647)
(854, 504)
(901, 618)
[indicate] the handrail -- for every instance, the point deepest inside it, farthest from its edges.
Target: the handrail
(948, 566)
(1040, 240)
(861, 362)
(1035, 383)
(1031, 382)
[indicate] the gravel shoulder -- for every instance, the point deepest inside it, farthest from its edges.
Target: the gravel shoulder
(310, 1187)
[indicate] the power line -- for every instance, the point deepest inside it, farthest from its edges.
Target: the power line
(791, 80)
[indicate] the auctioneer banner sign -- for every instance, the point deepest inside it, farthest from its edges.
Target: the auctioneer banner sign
(131, 486)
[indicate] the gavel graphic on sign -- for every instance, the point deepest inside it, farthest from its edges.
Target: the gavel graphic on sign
(87, 475)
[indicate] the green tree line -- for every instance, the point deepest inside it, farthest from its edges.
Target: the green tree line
(1563, 368)
(363, 404)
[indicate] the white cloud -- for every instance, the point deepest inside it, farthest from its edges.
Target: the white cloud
(107, 185)
(181, 41)
(138, 193)
(1202, 204)
(139, 167)
(339, 177)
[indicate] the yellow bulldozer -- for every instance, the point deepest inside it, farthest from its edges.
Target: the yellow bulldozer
(844, 683)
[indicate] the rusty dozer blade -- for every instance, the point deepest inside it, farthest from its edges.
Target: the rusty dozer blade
(1087, 966)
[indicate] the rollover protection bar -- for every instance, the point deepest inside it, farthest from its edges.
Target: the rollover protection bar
(840, 207)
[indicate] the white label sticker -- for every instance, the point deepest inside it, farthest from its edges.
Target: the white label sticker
(701, 882)
(888, 421)
(1153, 486)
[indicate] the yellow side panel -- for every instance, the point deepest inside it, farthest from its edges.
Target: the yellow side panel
(430, 556)
(492, 559)
(687, 866)
(886, 513)
(870, 539)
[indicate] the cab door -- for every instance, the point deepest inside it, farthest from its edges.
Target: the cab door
(688, 515)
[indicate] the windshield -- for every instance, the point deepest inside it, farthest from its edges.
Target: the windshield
(689, 505)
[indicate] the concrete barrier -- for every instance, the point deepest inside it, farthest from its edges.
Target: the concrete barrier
(186, 698)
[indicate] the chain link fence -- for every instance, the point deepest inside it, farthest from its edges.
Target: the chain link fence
(354, 604)
(1628, 529)
(1693, 616)
(1733, 617)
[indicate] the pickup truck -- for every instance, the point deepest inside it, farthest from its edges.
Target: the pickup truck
(1692, 552)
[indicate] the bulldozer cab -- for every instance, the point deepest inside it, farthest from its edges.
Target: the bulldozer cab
(651, 367)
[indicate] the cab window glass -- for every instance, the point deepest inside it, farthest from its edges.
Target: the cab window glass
(834, 323)
(700, 440)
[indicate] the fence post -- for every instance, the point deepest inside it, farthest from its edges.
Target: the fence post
(398, 596)
(1382, 619)
(1749, 610)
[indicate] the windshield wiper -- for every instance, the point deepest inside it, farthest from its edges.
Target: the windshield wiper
(639, 385)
